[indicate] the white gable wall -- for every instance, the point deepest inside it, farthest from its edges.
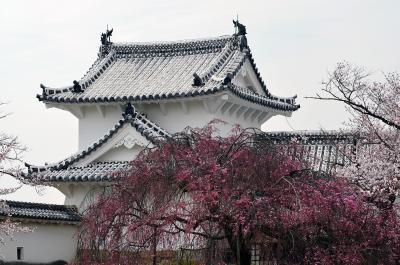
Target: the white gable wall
(120, 153)
(248, 78)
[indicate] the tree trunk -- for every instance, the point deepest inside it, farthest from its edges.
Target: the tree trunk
(210, 252)
(241, 252)
(245, 256)
(154, 247)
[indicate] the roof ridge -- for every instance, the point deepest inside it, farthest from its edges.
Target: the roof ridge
(157, 49)
(171, 42)
(97, 69)
(218, 62)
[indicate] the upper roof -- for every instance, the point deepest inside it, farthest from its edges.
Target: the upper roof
(40, 211)
(163, 70)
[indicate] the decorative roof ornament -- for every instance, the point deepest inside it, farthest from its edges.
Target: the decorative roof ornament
(227, 79)
(76, 88)
(129, 112)
(106, 37)
(240, 29)
(240, 34)
(43, 87)
(197, 80)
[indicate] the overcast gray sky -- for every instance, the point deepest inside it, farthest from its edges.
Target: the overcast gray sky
(294, 42)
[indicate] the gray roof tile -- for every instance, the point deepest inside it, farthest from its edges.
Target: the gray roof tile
(322, 151)
(49, 212)
(148, 71)
(140, 122)
(95, 172)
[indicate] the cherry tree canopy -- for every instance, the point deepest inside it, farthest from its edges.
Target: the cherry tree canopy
(375, 116)
(198, 190)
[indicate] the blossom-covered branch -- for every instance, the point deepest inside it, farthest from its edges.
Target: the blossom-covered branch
(375, 116)
(10, 158)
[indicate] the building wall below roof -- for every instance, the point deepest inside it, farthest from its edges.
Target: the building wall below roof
(80, 194)
(96, 122)
(47, 243)
(171, 116)
(195, 114)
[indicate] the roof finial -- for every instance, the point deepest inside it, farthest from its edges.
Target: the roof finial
(237, 19)
(240, 29)
(106, 37)
(129, 111)
(76, 88)
(197, 80)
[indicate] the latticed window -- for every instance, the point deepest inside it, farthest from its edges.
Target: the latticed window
(256, 254)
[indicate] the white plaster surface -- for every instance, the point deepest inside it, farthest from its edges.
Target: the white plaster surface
(48, 242)
(93, 125)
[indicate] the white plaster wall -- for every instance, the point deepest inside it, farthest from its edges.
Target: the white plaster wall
(48, 242)
(175, 119)
(93, 125)
(80, 194)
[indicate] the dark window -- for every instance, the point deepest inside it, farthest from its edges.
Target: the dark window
(20, 253)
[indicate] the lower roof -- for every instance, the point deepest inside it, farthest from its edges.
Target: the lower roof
(325, 149)
(40, 212)
(95, 172)
(147, 128)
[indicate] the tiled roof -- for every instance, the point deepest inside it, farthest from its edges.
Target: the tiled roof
(140, 122)
(246, 94)
(48, 212)
(95, 172)
(155, 71)
(323, 151)
(310, 137)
